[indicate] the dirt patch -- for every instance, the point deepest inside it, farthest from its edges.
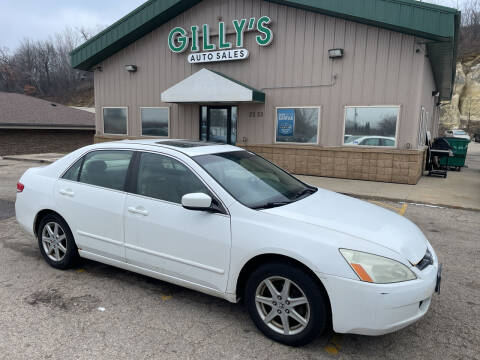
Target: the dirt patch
(7, 209)
(29, 250)
(56, 300)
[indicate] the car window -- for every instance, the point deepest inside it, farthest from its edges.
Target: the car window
(371, 142)
(388, 142)
(162, 177)
(72, 173)
(106, 168)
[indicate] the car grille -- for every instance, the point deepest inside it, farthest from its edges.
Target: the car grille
(427, 260)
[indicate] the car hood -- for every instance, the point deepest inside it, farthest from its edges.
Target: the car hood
(359, 219)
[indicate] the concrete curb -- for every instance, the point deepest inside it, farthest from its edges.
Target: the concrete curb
(41, 161)
(382, 198)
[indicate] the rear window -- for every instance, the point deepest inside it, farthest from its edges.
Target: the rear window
(105, 168)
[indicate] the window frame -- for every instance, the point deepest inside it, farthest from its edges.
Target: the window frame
(319, 123)
(103, 120)
(132, 178)
(399, 107)
(82, 159)
(141, 123)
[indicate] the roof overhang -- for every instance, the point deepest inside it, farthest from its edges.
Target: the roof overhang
(206, 86)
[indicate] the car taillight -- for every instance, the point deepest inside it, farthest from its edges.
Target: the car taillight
(20, 187)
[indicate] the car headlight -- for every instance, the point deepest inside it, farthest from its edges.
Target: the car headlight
(377, 269)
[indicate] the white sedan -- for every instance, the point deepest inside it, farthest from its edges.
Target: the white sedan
(226, 222)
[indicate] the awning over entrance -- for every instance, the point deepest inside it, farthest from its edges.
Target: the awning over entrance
(206, 86)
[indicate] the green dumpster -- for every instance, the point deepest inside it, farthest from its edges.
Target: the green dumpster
(460, 147)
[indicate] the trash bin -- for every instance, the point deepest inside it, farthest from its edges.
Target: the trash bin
(460, 147)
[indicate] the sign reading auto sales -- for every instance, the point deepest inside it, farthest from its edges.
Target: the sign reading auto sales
(202, 49)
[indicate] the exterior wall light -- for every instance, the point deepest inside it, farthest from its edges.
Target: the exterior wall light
(435, 93)
(131, 68)
(335, 53)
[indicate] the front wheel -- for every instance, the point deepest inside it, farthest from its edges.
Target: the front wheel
(286, 304)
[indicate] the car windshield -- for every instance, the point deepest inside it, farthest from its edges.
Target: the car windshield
(252, 180)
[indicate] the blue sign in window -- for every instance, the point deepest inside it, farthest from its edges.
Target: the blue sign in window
(285, 122)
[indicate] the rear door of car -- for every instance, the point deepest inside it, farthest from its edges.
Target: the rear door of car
(162, 236)
(91, 197)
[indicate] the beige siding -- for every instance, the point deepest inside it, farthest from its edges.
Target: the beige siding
(380, 67)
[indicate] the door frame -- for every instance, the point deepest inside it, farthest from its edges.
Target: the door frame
(229, 120)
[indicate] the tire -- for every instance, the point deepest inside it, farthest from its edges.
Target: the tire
(269, 315)
(63, 255)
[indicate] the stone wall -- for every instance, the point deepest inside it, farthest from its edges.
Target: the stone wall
(29, 141)
(375, 164)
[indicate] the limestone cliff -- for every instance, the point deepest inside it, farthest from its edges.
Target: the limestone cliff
(464, 109)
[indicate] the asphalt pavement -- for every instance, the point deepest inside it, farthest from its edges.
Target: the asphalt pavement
(95, 311)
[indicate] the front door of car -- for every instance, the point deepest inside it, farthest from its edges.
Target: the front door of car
(162, 236)
(91, 196)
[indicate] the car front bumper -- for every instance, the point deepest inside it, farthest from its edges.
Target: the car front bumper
(375, 309)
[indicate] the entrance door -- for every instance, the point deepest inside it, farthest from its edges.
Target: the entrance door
(219, 124)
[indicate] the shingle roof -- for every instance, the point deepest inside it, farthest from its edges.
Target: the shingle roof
(17, 110)
(436, 23)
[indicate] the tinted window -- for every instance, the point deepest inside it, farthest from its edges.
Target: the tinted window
(371, 142)
(154, 121)
(72, 173)
(164, 178)
(106, 168)
(115, 121)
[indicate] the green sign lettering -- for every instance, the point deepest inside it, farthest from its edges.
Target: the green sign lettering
(177, 40)
(206, 39)
(267, 33)
(222, 43)
(194, 38)
(239, 29)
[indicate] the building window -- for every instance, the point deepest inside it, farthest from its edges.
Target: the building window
(297, 125)
(371, 125)
(115, 120)
(155, 121)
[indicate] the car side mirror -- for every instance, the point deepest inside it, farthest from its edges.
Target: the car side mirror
(197, 201)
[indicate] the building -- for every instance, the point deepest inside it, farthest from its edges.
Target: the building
(30, 125)
(344, 88)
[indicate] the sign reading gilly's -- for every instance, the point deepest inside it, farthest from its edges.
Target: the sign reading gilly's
(179, 40)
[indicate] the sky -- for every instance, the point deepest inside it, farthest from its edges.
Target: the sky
(37, 20)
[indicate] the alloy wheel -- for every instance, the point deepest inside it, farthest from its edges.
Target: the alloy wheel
(54, 241)
(282, 305)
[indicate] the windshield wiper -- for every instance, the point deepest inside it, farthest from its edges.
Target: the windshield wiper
(304, 191)
(270, 205)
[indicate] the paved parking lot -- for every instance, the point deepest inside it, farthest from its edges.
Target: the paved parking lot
(97, 311)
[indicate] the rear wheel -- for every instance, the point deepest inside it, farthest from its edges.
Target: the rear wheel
(286, 304)
(56, 242)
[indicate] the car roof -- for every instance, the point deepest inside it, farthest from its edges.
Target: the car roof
(187, 147)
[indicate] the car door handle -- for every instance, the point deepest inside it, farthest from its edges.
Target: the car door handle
(67, 192)
(138, 210)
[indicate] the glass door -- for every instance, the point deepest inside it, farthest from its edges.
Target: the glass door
(218, 124)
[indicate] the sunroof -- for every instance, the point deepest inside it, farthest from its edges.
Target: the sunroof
(186, 144)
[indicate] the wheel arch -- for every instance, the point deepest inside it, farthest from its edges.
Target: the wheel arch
(260, 259)
(40, 215)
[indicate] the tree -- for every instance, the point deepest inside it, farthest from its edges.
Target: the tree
(42, 68)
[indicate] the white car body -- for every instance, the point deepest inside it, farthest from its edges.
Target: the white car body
(363, 141)
(207, 251)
